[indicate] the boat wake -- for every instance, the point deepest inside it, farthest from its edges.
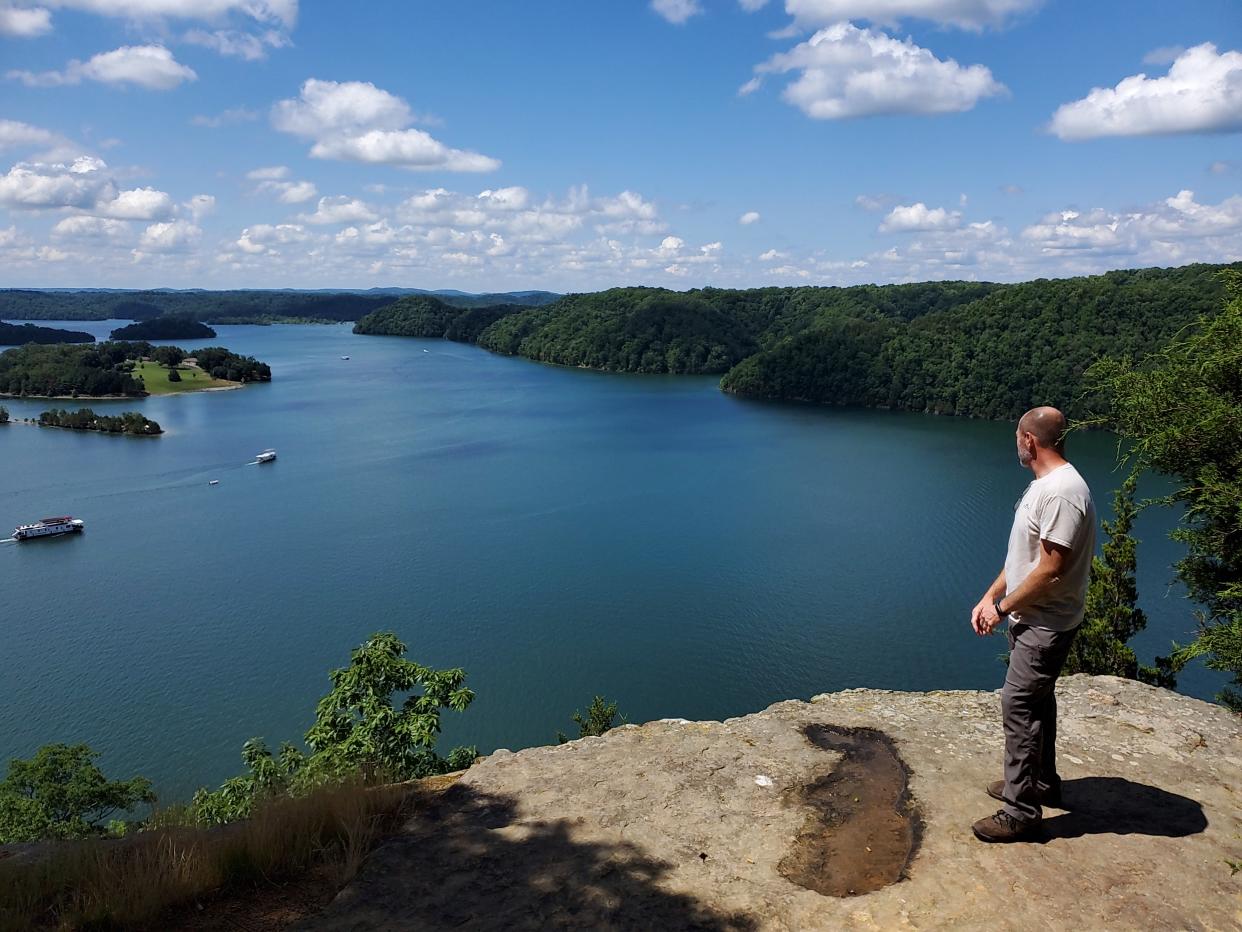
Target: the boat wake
(10, 540)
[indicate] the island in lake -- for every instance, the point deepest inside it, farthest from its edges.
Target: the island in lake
(122, 369)
(21, 334)
(128, 422)
(166, 327)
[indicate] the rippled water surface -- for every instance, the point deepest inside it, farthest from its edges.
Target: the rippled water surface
(558, 533)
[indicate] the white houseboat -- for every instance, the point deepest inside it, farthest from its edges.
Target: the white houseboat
(266, 456)
(49, 527)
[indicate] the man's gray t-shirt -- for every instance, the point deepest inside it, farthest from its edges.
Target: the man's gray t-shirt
(1056, 507)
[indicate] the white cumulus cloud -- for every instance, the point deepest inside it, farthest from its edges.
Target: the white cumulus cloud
(24, 22)
(342, 209)
(919, 217)
(39, 185)
(1202, 93)
(149, 66)
(844, 71)
(172, 236)
(357, 121)
(751, 216)
(137, 204)
(237, 44)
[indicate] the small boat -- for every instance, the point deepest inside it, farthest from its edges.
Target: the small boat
(344, 357)
(266, 456)
(49, 527)
(213, 481)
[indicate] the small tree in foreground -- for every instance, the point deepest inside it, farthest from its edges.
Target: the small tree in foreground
(601, 716)
(361, 732)
(1112, 615)
(61, 793)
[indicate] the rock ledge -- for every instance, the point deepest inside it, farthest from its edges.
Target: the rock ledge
(678, 824)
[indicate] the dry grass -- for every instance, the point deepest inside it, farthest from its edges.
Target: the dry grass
(131, 882)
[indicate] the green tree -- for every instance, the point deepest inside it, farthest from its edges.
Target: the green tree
(1182, 408)
(601, 716)
(1112, 614)
(169, 355)
(61, 793)
(360, 733)
(173, 375)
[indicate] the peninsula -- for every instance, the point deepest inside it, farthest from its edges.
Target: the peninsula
(119, 369)
(21, 334)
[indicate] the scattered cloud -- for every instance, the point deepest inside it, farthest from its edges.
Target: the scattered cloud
(973, 15)
(676, 11)
(1221, 167)
(268, 173)
(277, 12)
(919, 217)
(1011, 189)
(40, 185)
(236, 44)
(136, 204)
(226, 118)
(24, 22)
(173, 236)
(150, 66)
(1202, 93)
(752, 6)
(751, 216)
(844, 71)
(200, 205)
(874, 202)
(342, 209)
(83, 227)
(357, 121)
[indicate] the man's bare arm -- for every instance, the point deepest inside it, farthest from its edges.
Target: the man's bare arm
(1052, 559)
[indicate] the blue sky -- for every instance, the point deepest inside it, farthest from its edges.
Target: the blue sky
(580, 145)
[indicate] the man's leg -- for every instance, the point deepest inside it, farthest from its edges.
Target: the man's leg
(1028, 710)
(1049, 781)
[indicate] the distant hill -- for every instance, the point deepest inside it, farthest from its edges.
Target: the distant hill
(208, 306)
(21, 334)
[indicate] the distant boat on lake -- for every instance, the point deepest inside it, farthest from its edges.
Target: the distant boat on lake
(49, 527)
(213, 481)
(266, 456)
(344, 357)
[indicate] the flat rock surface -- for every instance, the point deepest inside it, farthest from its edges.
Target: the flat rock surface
(738, 825)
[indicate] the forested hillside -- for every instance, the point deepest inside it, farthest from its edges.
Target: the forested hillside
(426, 316)
(1018, 346)
(165, 327)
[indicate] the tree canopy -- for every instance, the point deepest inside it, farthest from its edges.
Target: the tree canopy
(165, 327)
(20, 334)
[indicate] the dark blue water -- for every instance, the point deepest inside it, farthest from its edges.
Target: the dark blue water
(558, 533)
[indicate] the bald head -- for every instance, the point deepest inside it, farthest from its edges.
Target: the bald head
(1047, 425)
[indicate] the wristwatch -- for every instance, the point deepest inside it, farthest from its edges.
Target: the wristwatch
(996, 605)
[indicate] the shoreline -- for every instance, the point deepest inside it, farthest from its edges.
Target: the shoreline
(142, 397)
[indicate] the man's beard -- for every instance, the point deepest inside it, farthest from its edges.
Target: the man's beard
(1024, 458)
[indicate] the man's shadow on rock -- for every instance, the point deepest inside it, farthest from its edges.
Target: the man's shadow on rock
(1117, 806)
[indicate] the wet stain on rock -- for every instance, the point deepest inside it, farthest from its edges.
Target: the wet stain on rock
(864, 827)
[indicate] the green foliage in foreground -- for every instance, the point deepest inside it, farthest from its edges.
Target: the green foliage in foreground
(601, 716)
(129, 422)
(50, 371)
(1182, 409)
(360, 732)
(61, 793)
(1112, 614)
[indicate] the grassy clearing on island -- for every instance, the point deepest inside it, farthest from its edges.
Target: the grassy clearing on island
(193, 379)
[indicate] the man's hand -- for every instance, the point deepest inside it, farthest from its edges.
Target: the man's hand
(983, 617)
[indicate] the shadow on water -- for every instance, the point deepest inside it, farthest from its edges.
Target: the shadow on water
(468, 863)
(1117, 806)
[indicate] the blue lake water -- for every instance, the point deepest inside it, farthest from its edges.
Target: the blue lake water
(558, 533)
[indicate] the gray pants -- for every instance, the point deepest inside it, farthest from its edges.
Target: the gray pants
(1029, 714)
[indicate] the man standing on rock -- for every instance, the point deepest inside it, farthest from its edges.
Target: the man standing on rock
(1041, 592)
